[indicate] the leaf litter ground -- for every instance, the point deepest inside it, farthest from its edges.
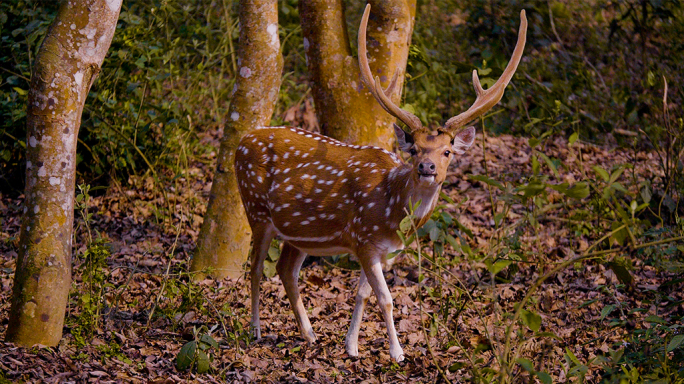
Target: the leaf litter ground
(151, 307)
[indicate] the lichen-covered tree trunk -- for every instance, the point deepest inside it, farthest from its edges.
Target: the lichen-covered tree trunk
(66, 65)
(345, 108)
(223, 243)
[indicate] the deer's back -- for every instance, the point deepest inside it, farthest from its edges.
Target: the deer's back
(320, 194)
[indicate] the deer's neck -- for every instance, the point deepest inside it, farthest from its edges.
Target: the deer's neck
(405, 190)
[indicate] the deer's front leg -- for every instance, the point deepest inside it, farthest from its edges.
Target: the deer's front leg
(352, 339)
(289, 264)
(372, 266)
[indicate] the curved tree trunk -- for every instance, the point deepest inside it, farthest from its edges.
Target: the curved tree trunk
(66, 66)
(345, 108)
(223, 243)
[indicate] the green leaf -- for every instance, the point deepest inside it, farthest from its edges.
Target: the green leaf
(675, 343)
(402, 237)
(435, 233)
(498, 266)
(646, 194)
(203, 363)
(526, 364)
(573, 138)
(601, 172)
(464, 229)
(483, 71)
(614, 176)
(446, 197)
(532, 189)
(549, 163)
(620, 235)
(20, 91)
(498, 217)
(270, 268)
(452, 241)
(405, 224)
(393, 254)
(618, 187)
(572, 356)
(544, 377)
(621, 272)
(562, 188)
(140, 63)
(531, 319)
(465, 247)
(273, 253)
(446, 218)
(578, 190)
(654, 319)
(535, 166)
(186, 356)
(605, 311)
(206, 339)
(409, 107)
(487, 180)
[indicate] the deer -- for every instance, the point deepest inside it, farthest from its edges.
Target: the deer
(324, 197)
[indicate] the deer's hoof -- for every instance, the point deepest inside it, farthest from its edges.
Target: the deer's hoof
(352, 350)
(397, 355)
(310, 337)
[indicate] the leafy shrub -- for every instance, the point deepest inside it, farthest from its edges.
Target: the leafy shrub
(23, 24)
(168, 71)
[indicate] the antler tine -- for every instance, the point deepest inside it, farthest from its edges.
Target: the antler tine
(374, 84)
(486, 99)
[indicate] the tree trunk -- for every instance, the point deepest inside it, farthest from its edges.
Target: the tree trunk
(345, 108)
(223, 243)
(66, 66)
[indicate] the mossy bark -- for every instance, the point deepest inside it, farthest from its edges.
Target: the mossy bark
(223, 243)
(345, 108)
(66, 65)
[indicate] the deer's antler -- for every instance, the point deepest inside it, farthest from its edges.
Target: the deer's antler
(487, 99)
(374, 86)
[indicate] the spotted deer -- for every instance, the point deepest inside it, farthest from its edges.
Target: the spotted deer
(325, 197)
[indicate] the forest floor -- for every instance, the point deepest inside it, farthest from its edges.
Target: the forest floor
(152, 308)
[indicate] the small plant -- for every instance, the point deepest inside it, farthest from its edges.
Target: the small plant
(94, 275)
(197, 354)
(113, 350)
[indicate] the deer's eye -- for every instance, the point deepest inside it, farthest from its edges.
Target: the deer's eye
(447, 153)
(413, 151)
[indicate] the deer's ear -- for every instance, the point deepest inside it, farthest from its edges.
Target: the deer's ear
(404, 139)
(463, 140)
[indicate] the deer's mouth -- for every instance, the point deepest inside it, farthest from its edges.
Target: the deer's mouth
(427, 177)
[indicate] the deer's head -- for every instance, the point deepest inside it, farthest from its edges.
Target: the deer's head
(432, 153)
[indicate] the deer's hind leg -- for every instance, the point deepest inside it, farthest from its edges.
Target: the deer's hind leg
(261, 239)
(289, 264)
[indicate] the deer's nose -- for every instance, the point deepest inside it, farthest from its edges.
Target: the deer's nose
(426, 167)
